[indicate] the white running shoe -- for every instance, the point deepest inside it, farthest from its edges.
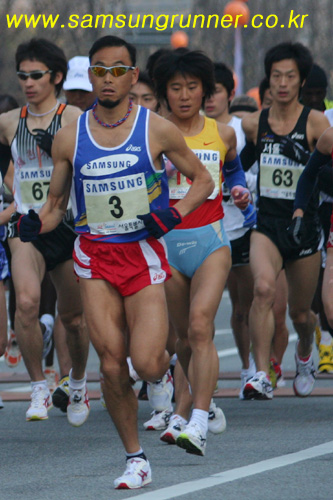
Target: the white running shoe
(305, 376)
(41, 403)
(136, 475)
(246, 374)
(78, 406)
(1, 403)
(159, 420)
(175, 427)
(192, 439)
(216, 419)
(48, 321)
(258, 387)
(160, 392)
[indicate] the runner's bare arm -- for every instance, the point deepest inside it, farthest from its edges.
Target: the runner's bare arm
(71, 113)
(173, 145)
(317, 124)
(55, 207)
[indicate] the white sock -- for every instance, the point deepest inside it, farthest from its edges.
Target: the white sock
(76, 384)
(43, 383)
(200, 417)
(326, 338)
(182, 419)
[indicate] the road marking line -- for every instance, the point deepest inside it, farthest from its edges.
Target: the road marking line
(228, 476)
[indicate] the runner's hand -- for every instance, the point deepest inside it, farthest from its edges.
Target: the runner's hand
(29, 226)
(296, 230)
(44, 140)
(160, 222)
(294, 151)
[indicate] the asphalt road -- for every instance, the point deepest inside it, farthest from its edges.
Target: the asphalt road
(276, 450)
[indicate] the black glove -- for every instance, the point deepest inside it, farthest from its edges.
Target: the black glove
(296, 230)
(160, 222)
(29, 226)
(294, 151)
(44, 140)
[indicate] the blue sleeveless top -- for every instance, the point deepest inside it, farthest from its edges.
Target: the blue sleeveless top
(111, 186)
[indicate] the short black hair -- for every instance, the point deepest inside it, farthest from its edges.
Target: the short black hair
(224, 76)
(7, 103)
(288, 50)
(46, 52)
(185, 62)
(317, 78)
(151, 61)
(263, 86)
(113, 41)
(144, 78)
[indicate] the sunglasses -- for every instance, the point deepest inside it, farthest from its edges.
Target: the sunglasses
(114, 70)
(35, 75)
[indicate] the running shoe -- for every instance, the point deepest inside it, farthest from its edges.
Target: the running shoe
(136, 475)
(305, 376)
(216, 419)
(175, 427)
(325, 358)
(275, 373)
(41, 403)
(159, 420)
(52, 378)
(12, 353)
(78, 406)
(160, 392)
(60, 397)
(258, 387)
(1, 403)
(48, 321)
(192, 440)
(246, 374)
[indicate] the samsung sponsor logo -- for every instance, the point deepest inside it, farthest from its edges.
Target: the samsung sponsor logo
(109, 164)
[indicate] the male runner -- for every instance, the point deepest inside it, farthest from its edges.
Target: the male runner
(317, 162)
(41, 67)
(282, 134)
(120, 199)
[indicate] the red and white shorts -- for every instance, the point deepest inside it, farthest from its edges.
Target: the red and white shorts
(128, 267)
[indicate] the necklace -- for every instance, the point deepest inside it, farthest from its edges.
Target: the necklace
(41, 114)
(112, 125)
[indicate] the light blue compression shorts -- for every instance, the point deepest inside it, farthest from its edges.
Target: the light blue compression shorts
(188, 248)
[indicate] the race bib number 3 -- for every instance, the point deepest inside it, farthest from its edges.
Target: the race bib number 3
(113, 204)
(34, 187)
(279, 176)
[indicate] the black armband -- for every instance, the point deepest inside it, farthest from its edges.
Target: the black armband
(248, 155)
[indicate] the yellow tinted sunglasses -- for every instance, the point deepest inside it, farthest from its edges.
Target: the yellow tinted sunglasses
(114, 70)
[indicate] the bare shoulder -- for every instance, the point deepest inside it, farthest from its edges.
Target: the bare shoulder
(226, 132)
(250, 124)
(64, 140)
(317, 118)
(162, 130)
(8, 125)
(325, 142)
(70, 114)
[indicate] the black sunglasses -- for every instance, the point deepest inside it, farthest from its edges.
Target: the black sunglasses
(35, 75)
